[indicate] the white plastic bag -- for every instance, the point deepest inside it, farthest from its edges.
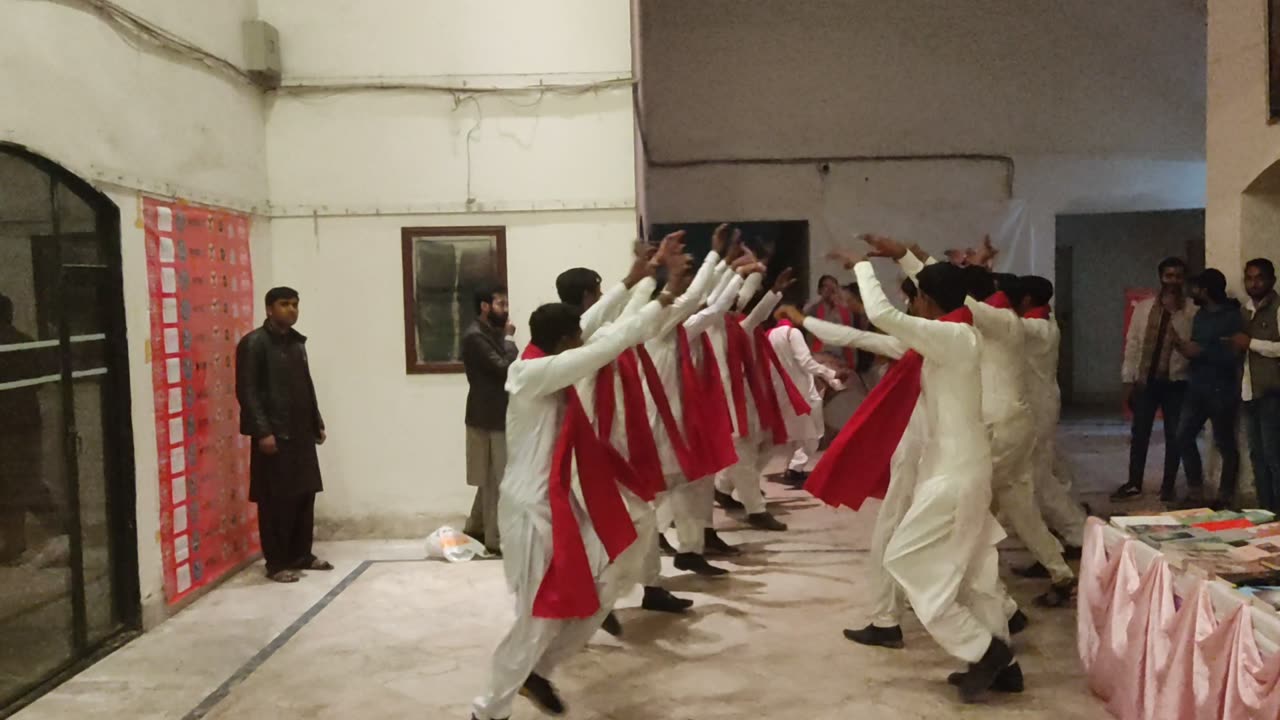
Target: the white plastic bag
(454, 545)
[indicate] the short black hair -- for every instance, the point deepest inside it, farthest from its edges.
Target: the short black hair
(853, 290)
(1265, 266)
(486, 294)
(276, 294)
(825, 278)
(909, 289)
(551, 323)
(1213, 282)
(1171, 262)
(979, 283)
(573, 284)
(1006, 283)
(6, 309)
(1039, 289)
(946, 284)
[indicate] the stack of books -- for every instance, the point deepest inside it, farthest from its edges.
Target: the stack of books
(1241, 547)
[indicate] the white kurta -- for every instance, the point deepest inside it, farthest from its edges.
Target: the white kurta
(944, 552)
(535, 415)
(793, 353)
(1052, 471)
(886, 593)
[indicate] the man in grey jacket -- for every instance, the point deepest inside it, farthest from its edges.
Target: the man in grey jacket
(487, 352)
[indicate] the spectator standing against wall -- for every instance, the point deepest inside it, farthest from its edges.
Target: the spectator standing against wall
(1260, 386)
(1155, 377)
(487, 352)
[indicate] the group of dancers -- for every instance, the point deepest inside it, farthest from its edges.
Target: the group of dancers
(633, 410)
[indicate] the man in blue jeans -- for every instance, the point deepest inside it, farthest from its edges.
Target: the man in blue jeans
(1260, 387)
(1213, 372)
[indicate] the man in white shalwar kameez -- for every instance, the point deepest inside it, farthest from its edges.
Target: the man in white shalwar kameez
(536, 417)
(751, 440)
(943, 554)
(803, 431)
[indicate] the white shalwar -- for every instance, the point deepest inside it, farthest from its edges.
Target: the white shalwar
(803, 431)
(1052, 471)
(943, 554)
(755, 446)
(535, 416)
(887, 596)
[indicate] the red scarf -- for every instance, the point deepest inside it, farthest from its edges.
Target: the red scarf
(846, 318)
(856, 466)
(568, 589)
(707, 424)
(771, 364)
(999, 300)
(642, 452)
(684, 456)
(1038, 313)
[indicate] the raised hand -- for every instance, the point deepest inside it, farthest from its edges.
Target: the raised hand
(641, 267)
(720, 239)
(736, 248)
(885, 247)
(785, 279)
(745, 259)
(844, 257)
(680, 273)
(919, 252)
(671, 246)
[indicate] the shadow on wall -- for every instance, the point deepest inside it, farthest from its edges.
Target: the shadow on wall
(1099, 257)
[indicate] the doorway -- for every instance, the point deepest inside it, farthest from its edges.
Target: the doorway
(784, 242)
(68, 546)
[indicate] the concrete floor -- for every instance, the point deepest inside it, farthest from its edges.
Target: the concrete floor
(389, 635)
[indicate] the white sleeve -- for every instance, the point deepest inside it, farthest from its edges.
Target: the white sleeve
(605, 310)
(800, 349)
(641, 294)
(721, 285)
(704, 318)
(556, 372)
(933, 339)
(1133, 341)
(1265, 348)
(845, 336)
(687, 304)
(991, 320)
(911, 265)
(761, 310)
(749, 289)
(1039, 330)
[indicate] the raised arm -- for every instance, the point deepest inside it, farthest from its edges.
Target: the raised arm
(762, 310)
(933, 339)
(553, 373)
(708, 315)
(722, 286)
(845, 336)
(687, 304)
(800, 350)
(749, 289)
(640, 296)
(993, 321)
(606, 309)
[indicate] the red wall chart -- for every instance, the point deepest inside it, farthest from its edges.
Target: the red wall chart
(201, 289)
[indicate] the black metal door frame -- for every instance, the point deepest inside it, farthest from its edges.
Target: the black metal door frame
(117, 432)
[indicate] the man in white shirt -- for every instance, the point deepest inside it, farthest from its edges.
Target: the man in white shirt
(561, 588)
(1260, 387)
(803, 431)
(1155, 376)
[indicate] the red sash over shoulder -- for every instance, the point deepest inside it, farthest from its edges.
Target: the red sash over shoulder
(856, 466)
(707, 425)
(658, 391)
(568, 589)
(1038, 313)
(642, 452)
(771, 364)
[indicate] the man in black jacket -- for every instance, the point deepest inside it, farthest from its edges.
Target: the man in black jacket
(487, 352)
(278, 409)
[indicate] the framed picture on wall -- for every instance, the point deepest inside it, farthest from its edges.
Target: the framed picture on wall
(443, 268)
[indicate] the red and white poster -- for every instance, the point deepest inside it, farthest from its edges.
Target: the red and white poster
(201, 289)
(1132, 296)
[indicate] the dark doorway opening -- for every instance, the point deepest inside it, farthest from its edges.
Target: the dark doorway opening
(784, 242)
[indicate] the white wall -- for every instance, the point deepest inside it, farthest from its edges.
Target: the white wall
(1243, 146)
(1099, 105)
(348, 170)
(126, 119)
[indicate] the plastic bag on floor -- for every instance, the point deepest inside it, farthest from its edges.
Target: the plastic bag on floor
(454, 545)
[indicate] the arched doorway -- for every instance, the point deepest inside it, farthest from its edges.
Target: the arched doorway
(68, 546)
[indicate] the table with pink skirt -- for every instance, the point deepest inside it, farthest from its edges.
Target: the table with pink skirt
(1161, 643)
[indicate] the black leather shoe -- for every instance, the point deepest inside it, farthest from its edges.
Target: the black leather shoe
(611, 625)
(766, 521)
(795, 478)
(983, 674)
(877, 637)
(660, 600)
(542, 693)
(726, 501)
(664, 546)
(716, 545)
(1072, 552)
(1008, 681)
(1032, 571)
(1059, 594)
(1018, 622)
(695, 563)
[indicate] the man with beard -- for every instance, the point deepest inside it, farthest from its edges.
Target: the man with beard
(487, 352)
(1211, 384)
(1155, 377)
(1260, 387)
